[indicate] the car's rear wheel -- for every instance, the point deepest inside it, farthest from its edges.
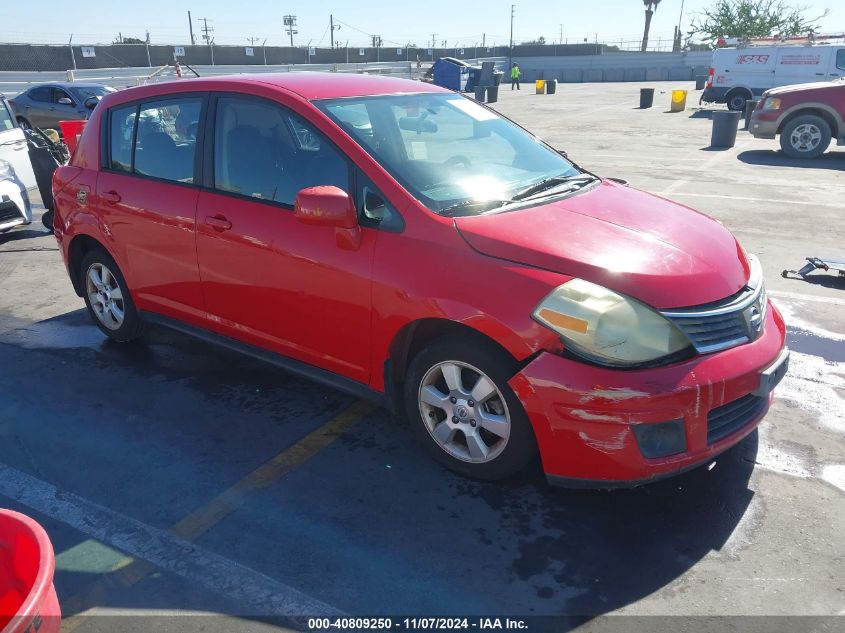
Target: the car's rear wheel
(107, 297)
(806, 136)
(462, 409)
(736, 100)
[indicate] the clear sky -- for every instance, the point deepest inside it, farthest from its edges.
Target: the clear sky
(398, 22)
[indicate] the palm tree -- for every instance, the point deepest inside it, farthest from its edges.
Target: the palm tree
(650, 8)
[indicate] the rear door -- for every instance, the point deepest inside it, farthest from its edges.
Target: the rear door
(36, 106)
(147, 195)
(14, 154)
(752, 68)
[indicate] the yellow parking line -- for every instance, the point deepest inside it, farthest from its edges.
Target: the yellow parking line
(130, 571)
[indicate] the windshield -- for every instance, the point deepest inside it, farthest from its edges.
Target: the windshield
(455, 156)
(84, 92)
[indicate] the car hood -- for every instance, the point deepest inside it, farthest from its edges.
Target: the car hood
(660, 252)
(816, 85)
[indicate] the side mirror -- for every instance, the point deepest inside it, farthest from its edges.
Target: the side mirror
(65, 101)
(332, 207)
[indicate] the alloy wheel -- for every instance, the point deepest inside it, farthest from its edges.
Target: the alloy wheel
(464, 412)
(805, 137)
(105, 296)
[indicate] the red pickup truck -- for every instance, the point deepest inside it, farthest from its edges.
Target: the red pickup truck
(807, 117)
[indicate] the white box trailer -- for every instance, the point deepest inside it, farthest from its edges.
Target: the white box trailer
(741, 73)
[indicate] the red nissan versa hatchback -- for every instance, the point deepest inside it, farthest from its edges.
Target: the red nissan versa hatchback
(396, 239)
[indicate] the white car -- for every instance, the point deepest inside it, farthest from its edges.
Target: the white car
(739, 74)
(17, 179)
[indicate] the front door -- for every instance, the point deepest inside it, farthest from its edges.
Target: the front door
(837, 66)
(147, 197)
(267, 279)
(14, 151)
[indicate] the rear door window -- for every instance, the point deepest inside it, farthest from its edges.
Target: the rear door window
(262, 150)
(42, 93)
(156, 138)
(121, 130)
(165, 139)
(840, 59)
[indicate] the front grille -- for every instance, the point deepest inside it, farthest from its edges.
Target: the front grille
(8, 212)
(723, 324)
(724, 420)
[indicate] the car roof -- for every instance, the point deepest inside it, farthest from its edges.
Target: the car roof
(68, 85)
(308, 85)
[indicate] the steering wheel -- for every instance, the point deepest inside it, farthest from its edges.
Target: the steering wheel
(459, 160)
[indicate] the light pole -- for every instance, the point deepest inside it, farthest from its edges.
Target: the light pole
(510, 53)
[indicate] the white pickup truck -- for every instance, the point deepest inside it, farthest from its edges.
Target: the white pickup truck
(17, 179)
(739, 74)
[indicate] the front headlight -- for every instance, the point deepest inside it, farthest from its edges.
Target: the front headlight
(608, 328)
(771, 103)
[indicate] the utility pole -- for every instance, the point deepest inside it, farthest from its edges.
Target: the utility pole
(510, 53)
(377, 41)
(147, 46)
(191, 29)
(252, 40)
(290, 22)
(264, 50)
(561, 34)
(206, 35)
(676, 46)
(334, 27)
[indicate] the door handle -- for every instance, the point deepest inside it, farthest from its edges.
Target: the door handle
(219, 222)
(112, 197)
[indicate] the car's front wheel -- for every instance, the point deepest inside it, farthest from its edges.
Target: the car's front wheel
(107, 297)
(462, 409)
(806, 136)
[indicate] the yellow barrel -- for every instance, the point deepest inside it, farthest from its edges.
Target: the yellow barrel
(679, 101)
(540, 85)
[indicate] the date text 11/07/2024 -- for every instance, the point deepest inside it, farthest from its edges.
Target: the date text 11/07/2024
(418, 623)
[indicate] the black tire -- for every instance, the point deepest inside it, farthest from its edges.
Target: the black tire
(22, 122)
(518, 450)
(131, 326)
(736, 100)
(47, 220)
(792, 147)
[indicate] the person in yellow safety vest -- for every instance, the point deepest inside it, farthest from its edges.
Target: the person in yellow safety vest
(515, 73)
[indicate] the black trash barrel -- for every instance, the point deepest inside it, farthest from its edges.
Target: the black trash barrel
(725, 125)
(646, 97)
(479, 93)
(749, 108)
(700, 82)
(492, 94)
(551, 86)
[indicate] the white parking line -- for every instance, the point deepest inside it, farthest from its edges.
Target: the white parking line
(670, 191)
(800, 296)
(256, 593)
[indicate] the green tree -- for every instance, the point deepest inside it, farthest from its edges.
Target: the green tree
(753, 18)
(127, 40)
(540, 40)
(650, 8)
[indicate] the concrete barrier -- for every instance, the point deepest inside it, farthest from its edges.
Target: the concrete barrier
(680, 73)
(593, 74)
(572, 76)
(614, 74)
(635, 74)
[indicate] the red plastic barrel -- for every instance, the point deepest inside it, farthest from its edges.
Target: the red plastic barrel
(71, 131)
(27, 597)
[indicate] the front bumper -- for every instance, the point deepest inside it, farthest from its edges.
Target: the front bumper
(764, 123)
(583, 416)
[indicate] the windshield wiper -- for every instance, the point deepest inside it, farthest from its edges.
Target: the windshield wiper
(549, 183)
(447, 211)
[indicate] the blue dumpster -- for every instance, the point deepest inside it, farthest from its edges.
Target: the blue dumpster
(451, 73)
